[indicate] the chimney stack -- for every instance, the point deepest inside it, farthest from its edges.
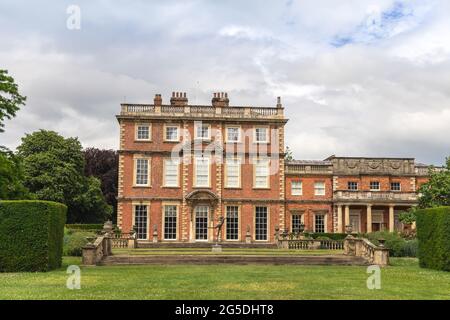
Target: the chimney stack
(220, 99)
(179, 99)
(158, 100)
(279, 105)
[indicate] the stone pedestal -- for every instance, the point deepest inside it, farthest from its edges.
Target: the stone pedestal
(217, 248)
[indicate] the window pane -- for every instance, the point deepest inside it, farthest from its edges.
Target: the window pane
(296, 222)
(374, 185)
(297, 188)
(233, 172)
(352, 185)
(202, 172)
(140, 221)
(261, 134)
(171, 172)
(261, 223)
(233, 134)
(232, 232)
(143, 132)
(172, 133)
(261, 173)
(203, 131)
(319, 188)
(142, 171)
(170, 222)
(319, 223)
(201, 223)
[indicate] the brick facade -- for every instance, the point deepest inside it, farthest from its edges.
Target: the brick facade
(174, 212)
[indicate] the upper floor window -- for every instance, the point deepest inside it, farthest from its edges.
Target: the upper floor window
(233, 173)
(319, 188)
(171, 172)
(201, 172)
(395, 186)
(261, 173)
(172, 133)
(261, 134)
(374, 186)
(142, 172)
(143, 132)
(352, 185)
(233, 134)
(296, 188)
(203, 131)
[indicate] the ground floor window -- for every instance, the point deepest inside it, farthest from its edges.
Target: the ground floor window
(140, 221)
(232, 223)
(261, 223)
(296, 221)
(201, 223)
(319, 223)
(170, 222)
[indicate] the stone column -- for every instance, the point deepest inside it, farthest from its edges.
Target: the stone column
(391, 218)
(347, 215)
(339, 216)
(369, 218)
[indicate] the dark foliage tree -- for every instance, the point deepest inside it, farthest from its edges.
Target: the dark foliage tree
(11, 177)
(103, 164)
(436, 192)
(54, 170)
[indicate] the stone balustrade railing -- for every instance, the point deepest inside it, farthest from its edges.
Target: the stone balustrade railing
(308, 169)
(310, 244)
(375, 195)
(201, 111)
(361, 247)
(124, 240)
(94, 252)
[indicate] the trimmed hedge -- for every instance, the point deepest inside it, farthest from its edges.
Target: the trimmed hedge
(331, 236)
(433, 232)
(85, 226)
(31, 235)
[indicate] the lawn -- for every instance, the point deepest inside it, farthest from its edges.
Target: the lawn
(402, 280)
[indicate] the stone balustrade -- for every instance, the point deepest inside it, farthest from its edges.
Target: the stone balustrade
(308, 169)
(201, 111)
(361, 247)
(94, 252)
(310, 244)
(375, 196)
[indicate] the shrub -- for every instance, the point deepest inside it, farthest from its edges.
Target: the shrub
(398, 246)
(330, 236)
(74, 241)
(31, 235)
(433, 233)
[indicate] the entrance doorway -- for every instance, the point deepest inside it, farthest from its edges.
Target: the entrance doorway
(201, 223)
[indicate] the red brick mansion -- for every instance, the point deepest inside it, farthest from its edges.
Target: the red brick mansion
(182, 166)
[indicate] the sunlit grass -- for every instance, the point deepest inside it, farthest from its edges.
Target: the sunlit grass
(402, 280)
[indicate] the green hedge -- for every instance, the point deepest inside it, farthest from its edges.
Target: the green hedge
(331, 236)
(433, 232)
(397, 245)
(85, 226)
(31, 235)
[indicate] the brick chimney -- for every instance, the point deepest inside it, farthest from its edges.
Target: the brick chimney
(158, 100)
(220, 99)
(179, 99)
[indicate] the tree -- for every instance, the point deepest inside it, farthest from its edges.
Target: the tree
(11, 177)
(10, 99)
(103, 164)
(436, 192)
(54, 170)
(288, 154)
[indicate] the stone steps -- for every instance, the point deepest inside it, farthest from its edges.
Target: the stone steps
(232, 259)
(237, 245)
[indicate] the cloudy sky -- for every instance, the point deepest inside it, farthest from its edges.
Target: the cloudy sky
(357, 78)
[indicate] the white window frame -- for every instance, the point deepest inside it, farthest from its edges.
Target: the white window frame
(165, 173)
(325, 218)
(136, 130)
(399, 186)
(197, 126)
(255, 163)
(297, 213)
(239, 165)
(255, 135)
(135, 162)
(166, 126)
(164, 205)
(239, 134)
(267, 224)
(238, 223)
(196, 185)
(133, 218)
(372, 189)
(298, 190)
(352, 182)
(316, 189)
